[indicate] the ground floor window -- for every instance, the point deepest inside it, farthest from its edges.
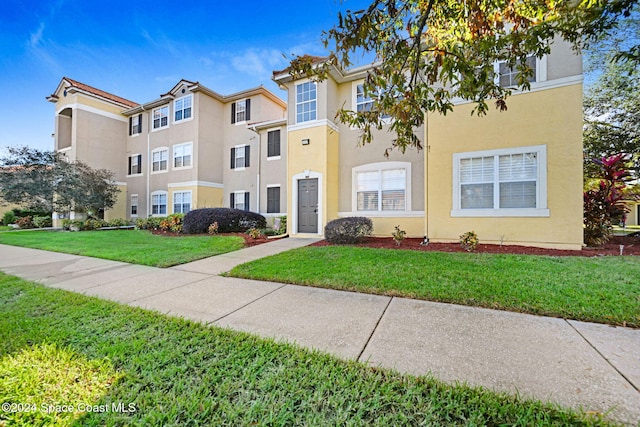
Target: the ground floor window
(181, 202)
(159, 203)
(381, 186)
(134, 205)
(240, 200)
(273, 199)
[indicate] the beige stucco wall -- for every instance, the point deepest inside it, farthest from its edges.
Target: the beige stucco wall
(551, 117)
(273, 171)
(119, 210)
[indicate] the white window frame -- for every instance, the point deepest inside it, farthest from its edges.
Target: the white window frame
(153, 119)
(182, 193)
(136, 126)
(181, 101)
(152, 160)
(279, 143)
(380, 167)
(239, 195)
(175, 156)
(279, 187)
(136, 204)
(540, 210)
(354, 100)
(540, 71)
(154, 204)
(241, 103)
(309, 101)
(236, 157)
(135, 156)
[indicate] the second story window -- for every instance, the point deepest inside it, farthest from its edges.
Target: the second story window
(508, 76)
(240, 157)
(306, 106)
(363, 101)
(273, 143)
(241, 111)
(135, 164)
(159, 160)
(161, 117)
(182, 108)
(182, 155)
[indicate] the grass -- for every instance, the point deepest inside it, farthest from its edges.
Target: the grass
(174, 372)
(4, 228)
(604, 290)
(133, 246)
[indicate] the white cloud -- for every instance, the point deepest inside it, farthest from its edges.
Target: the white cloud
(36, 38)
(258, 62)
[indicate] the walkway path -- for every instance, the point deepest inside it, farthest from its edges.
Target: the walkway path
(581, 365)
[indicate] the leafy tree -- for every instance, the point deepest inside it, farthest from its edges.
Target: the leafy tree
(603, 205)
(430, 52)
(45, 180)
(611, 102)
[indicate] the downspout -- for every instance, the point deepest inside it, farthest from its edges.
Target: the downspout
(148, 171)
(427, 147)
(253, 128)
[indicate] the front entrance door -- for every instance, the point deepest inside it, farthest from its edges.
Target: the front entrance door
(308, 205)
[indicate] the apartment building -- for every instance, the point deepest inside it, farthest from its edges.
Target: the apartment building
(513, 177)
(188, 149)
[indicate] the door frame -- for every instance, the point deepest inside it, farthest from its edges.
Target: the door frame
(294, 202)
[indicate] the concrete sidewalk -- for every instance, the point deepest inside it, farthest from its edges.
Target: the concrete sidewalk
(576, 364)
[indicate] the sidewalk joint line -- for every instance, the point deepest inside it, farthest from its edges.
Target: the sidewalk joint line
(167, 290)
(603, 356)
(245, 305)
(375, 328)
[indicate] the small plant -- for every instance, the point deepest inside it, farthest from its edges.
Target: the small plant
(398, 235)
(8, 218)
(283, 225)
(213, 228)
(42, 221)
(254, 233)
(117, 222)
(25, 222)
(469, 241)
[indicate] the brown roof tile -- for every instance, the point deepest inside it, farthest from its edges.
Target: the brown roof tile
(100, 93)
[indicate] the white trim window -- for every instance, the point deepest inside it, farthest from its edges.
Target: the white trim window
(508, 77)
(182, 155)
(182, 108)
(273, 199)
(508, 182)
(306, 102)
(381, 187)
(135, 165)
(135, 124)
(134, 205)
(273, 144)
(363, 102)
(161, 117)
(181, 201)
(159, 160)
(240, 200)
(159, 203)
(240, 155)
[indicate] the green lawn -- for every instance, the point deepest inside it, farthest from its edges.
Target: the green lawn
(134, 246)
(60, 348)
(604, 289)
(4, 228)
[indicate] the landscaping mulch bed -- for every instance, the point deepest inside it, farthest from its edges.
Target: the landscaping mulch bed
(631, 247)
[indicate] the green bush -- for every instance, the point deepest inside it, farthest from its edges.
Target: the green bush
(229, 220)
(172, 223)
(9, 218)
(42, 221)
(348, 230)
(151, 223)
(117, 222)
(469, 241)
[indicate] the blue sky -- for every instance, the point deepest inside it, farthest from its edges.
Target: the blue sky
(140, 49)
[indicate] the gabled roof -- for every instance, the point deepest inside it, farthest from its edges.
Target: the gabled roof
(73, 86)
(338, 73)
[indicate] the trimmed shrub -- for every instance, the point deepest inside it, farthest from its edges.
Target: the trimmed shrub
(229, 220)
(42, 221)
(172, 223)
(151, 223)
(348, 230)
(8, 218)
(117, 222)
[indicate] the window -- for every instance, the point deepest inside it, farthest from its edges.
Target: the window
(500, 182)
(240, 200)
(159, 203)
(273, 143)
(381, 190)
(273, 199)
(161, 117)
(240, 157)
(306, 102)
(181, 202)
(135, 124)
(182, 155)
(159, 160)
(363, 102)
(182, 108)
(241, 111)
(134, 205)
(508, 77)
(135, 164)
